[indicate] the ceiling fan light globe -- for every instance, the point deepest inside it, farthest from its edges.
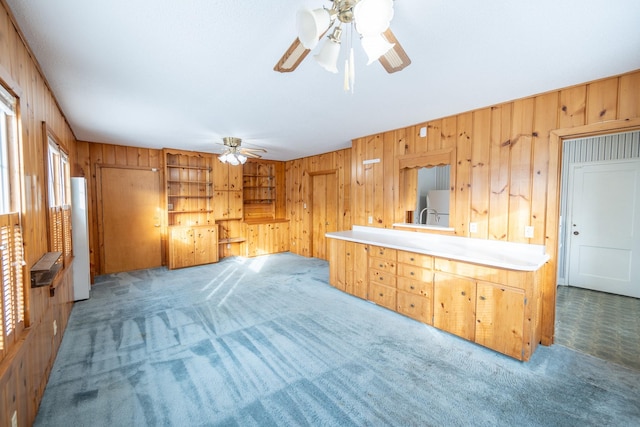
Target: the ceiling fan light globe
(375, 46)
(373, 16)
(242, 159)
(328, 56)
(311, 24)
(223, 158)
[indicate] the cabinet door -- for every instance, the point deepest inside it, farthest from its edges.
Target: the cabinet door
(235, 205)
(235, 178)
(221, 205)
(360, 274)
(500, 318)
(205, 245)
(454, 303)
(181, 252)
(337, 267)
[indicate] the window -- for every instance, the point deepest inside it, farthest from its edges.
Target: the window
(59, 199)
(12, 297)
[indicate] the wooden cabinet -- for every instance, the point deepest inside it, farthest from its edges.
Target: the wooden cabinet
(266, 237)
(227, 186)
(191, 230)
(348, 267)
(192, 245)
(259, 189)
(494, 307)
(188, 187)
(415, 286)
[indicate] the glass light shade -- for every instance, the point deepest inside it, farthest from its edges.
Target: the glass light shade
(375, 46)
(242, 159)
(223, 158)
(233, 160)
(328, 55)
(310, 25)
(373, 16)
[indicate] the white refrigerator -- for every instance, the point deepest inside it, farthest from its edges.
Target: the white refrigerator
(80, 239)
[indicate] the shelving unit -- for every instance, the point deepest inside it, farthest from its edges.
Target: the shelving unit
(259, 190)
(192, 234)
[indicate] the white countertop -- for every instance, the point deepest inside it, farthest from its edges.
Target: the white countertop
(494, 253)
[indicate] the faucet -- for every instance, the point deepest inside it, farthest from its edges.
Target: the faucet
(433, 211)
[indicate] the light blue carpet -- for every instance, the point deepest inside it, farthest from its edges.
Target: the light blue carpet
(266, 341)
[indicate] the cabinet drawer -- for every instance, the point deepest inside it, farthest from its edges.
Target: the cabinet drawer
(414, 272)
(382, 252)
(516, 279)
(415, 287)
(414, 306)
(413, 258)
(382, 264)
(382, 277)
(382, 295)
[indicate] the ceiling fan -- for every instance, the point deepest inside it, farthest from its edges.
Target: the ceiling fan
(236, 155)
(369, 18)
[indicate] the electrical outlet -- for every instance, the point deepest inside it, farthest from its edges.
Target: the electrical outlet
(14, 419)
(528, 232)
(55, 328)
(370, 220)
(473, 227)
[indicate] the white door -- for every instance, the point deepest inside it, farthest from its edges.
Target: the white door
(604, 227)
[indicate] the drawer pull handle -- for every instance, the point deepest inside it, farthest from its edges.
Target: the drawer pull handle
(482, 298)
(463, 293)
(412, 259)
(412, 306)
(381, 294)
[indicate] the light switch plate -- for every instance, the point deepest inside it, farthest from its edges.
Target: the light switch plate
(473, 227)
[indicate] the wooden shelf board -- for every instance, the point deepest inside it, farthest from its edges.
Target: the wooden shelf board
(200, 168)
(232, 240)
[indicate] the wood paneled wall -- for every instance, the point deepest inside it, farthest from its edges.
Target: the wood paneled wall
(24, 372)
(506, 173)
(298, 196)
(88, 157)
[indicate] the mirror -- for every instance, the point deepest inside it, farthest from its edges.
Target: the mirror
(426, 182)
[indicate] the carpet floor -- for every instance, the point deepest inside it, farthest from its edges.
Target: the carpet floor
(266, 341)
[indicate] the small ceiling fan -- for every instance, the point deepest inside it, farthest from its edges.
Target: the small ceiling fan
(369, 18)
(236, 155)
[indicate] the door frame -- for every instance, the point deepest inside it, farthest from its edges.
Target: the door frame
(99, 214)
(311, 175)
(552, 221)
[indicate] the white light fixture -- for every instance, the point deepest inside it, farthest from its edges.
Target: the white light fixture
(234, 154)
(369, 18)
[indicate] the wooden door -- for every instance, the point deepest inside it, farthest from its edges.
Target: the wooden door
(604, 227)
(130, 223)
(454, 305)
(500, 318)
(324, 211)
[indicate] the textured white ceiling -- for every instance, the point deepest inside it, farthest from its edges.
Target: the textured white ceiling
(183, 74)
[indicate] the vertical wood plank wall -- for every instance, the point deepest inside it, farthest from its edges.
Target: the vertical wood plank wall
(25, 370)
(298, 196)
(88, 156)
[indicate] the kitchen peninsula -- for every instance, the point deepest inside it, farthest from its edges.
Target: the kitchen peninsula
(485, 291)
